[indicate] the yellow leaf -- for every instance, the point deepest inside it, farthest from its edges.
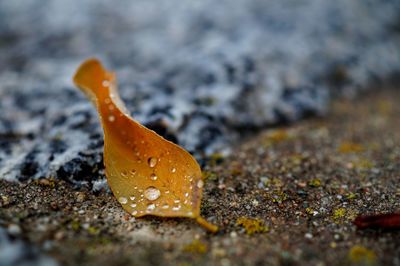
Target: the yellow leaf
(147, 174)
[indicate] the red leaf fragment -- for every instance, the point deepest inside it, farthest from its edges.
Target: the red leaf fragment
(378, 221)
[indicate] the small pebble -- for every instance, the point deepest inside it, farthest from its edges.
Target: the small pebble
(308, 236)
(80, 196)
(14, 229)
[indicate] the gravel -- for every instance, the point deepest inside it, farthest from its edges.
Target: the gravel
(287, 196)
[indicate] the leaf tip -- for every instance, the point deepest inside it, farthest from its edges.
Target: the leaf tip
(209, 226)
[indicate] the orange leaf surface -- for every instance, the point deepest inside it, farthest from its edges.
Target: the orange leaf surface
(146, 173)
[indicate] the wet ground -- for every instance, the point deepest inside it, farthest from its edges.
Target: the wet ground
(286, 196)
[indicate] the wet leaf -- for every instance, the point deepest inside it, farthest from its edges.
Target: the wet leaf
(147, 174)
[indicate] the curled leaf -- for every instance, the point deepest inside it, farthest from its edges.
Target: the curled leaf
(147, 174)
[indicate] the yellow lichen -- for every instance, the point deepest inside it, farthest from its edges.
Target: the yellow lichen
(216, 158)
(275, 136)
(315, 182)
(252, 226)
(350, 147)
(278, 136)
(339, 214)
(279, 197)
(273, 182)
(351, 196)
(296, 159)
(46, 182)
(310, 211)
(385, 107)
(196, 246)
(93, 230)
(236, 171)
(75, 225)
(361, 255)
(363, 164)
(351, 214)
(208, 175)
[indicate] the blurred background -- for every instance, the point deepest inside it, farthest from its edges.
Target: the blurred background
(198, 72)
(201, 73)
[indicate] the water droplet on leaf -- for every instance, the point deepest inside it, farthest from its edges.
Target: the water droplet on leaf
(152, 193)
(152, 161)
(153, 177)
(176, 208)
(111, 118)
(105, 83)
(123, 200)
(151, 207)
(200, 183)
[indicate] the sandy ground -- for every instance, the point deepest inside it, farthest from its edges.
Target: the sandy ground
(286, 196)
